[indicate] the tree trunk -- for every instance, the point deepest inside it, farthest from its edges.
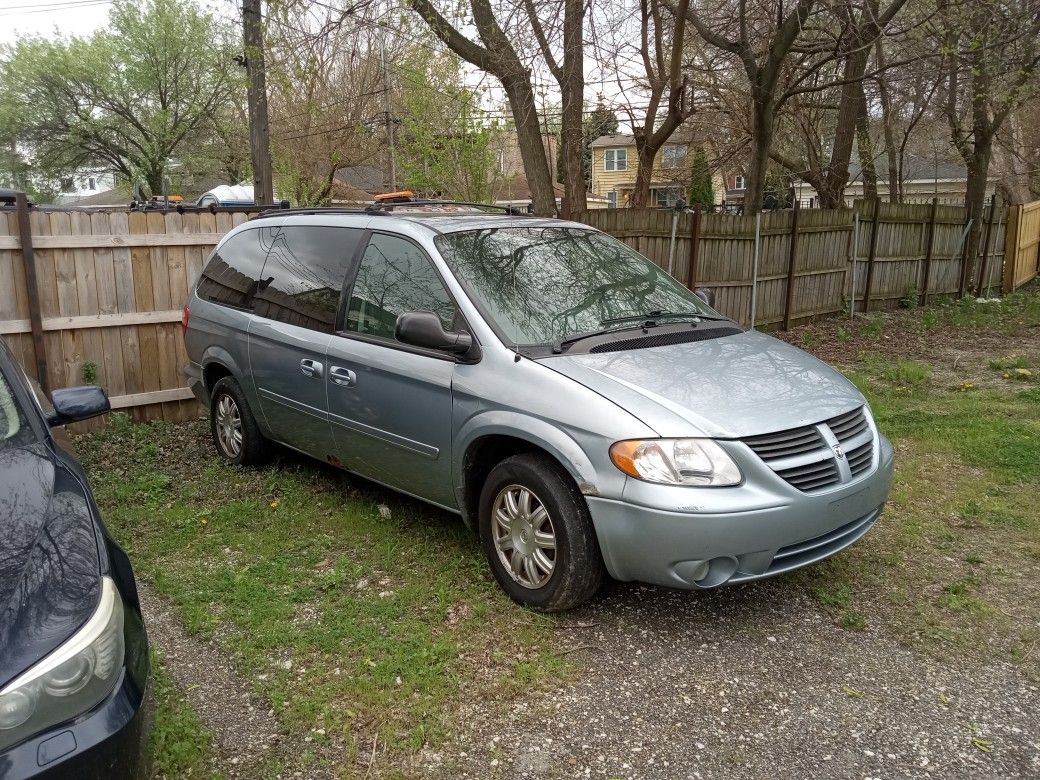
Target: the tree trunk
(154, 178)
(529, 138)
(764, 123)
(644, 172)
(975, 200)
(865, 147)
(573, 97)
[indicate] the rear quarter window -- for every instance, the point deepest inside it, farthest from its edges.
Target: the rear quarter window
(233, 272)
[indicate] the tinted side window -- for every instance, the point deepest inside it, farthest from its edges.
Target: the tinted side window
(395, 276)
(230, 277)
(303, 276)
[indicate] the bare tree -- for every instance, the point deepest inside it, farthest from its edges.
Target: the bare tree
(992, 54)
(761, 38)
(495, 54)
(570, 75)
(661, 55)
(326, 86)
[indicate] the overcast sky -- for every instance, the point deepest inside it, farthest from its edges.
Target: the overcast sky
(19, 18)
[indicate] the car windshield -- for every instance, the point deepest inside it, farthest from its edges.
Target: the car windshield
(543, 284)
(14, 429)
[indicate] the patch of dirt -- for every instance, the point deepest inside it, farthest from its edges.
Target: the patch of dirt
(955, 355)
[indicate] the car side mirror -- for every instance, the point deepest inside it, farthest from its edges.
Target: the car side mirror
(424, 329)
(72, 404)
(706, 294)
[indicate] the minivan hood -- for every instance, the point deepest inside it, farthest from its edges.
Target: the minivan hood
(729, 387)
(50, 572)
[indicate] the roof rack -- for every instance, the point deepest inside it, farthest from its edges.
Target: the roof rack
(381, 207)
(309, 210)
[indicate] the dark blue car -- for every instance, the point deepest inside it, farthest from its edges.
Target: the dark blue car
(73, 651)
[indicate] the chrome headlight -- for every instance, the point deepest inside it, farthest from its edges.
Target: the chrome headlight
(676, 462)
(72, 679)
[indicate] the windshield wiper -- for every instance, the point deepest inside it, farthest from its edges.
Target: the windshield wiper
(559, 344)
(651, 317)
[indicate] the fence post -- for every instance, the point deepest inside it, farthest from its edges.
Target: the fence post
(928, 253)
(32, 292)
(984, 268)
(855, 259)
(754, 268)
(790, 267)
(871, 254)
(695, 248)
(1011, 244)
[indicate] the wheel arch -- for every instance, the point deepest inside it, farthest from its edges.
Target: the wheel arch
(487, 440)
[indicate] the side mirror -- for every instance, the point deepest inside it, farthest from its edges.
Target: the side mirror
(72, 404)
(424, 329)
(706, 294)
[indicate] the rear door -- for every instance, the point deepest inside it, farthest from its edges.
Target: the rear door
(390, 403)
(295, 305)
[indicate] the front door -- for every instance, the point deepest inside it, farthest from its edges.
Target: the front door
(390, 403)
(296, 302)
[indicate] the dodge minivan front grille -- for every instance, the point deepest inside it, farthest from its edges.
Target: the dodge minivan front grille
(819, 456)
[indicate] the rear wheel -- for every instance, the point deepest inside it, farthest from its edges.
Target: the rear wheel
(537, 534)
(235, 432)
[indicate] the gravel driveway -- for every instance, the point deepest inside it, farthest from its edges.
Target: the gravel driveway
(746, 682)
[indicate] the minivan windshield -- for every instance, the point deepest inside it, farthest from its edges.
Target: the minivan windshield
(543, 284)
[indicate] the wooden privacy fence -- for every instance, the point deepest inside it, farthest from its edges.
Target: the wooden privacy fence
(107, 296)
(102, 298)
(791, 265)
(1023, 246)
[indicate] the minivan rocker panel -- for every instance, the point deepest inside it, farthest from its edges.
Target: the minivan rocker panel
(517, 434)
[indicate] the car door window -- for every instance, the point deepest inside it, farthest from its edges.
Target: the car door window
(395, 276)
(303, 277)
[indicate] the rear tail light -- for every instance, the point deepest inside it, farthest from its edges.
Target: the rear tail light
(185, 315)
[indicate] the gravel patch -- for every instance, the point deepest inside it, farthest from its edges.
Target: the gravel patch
(245, 732)
(749, 681)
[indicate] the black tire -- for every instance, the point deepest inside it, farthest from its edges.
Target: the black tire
(577, 565)
(254, 448)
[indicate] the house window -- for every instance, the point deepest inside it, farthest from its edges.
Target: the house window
(615, 160)
(667, 198)
(738, 182)
(673, 156)
(67, 185)
(612, 199)
(91, 183)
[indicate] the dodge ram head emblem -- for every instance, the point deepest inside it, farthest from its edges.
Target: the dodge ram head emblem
(839, 453)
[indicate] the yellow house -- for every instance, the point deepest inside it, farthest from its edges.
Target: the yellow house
(614, 164)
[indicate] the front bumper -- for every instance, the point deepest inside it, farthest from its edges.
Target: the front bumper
(708, 545)
(107, 743)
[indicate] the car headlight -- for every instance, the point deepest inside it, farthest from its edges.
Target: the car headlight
(676, 462)
(72, 679)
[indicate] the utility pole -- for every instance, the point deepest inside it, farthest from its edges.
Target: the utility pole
(389, 118)
(259, 133)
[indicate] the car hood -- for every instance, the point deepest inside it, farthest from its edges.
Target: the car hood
(728, 387)
(49, 560)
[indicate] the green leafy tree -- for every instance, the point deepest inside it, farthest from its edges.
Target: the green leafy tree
(150, 87)
(447, 147)
(701, 190)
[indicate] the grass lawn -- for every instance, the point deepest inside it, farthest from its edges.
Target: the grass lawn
(363, 617)
(368, 620)
(954, 566)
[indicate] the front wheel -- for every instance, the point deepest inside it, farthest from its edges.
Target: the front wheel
(236, 435)
(537, 534)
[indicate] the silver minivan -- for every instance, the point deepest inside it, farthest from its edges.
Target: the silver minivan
(583, 411)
